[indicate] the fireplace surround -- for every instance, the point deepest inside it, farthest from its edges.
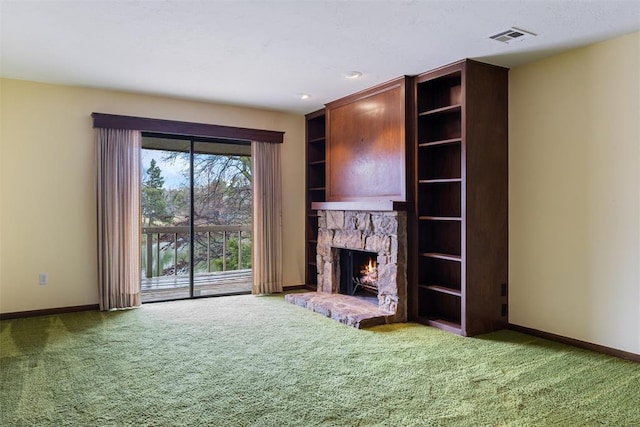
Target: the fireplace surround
(382, 232)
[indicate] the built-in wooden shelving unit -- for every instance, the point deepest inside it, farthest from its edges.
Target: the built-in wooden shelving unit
(439, 142)
(315, 187)
(461, 198)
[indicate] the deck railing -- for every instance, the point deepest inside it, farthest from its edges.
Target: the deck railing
(174, 233)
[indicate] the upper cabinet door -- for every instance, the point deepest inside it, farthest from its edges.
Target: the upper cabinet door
(366, 145)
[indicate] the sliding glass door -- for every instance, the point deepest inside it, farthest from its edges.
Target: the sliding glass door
(196, 222)
(221, 218)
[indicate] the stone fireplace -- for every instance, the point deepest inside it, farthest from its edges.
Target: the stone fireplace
(382, 233)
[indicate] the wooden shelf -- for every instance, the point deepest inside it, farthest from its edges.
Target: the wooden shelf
(314, 140)
(437, 255)
(441, 110)
(442, 289)
(439, 180)
(440, 199)
(443, 324)
(440, 142)
(439, 218)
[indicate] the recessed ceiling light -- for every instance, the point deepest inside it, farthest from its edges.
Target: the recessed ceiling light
(353, 74)
(304, 96)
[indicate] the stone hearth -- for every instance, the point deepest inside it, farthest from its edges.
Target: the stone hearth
(382, 232)
(352, 311)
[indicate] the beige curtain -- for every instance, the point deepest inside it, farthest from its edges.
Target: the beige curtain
(118, 181)
(267, 218)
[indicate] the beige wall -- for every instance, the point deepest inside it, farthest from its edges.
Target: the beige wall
(575, 194)
(47, 210)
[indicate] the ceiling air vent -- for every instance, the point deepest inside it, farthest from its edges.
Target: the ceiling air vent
(513, 34)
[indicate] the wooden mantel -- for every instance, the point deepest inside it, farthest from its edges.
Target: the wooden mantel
(362, 205)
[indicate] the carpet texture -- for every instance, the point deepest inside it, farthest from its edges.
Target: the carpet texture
(258, 361)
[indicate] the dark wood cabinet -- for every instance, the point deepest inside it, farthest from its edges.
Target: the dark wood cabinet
(315, 187)
(461, 220)
(367, 140)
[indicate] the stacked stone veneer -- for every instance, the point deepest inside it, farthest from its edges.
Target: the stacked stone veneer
(384, 233)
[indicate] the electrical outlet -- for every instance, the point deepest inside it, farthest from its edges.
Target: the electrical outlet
(44, 278)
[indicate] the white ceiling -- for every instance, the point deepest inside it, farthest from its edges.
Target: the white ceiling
(264, 53)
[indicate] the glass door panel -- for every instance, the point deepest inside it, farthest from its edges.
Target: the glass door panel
(166, 215)
(222, 218)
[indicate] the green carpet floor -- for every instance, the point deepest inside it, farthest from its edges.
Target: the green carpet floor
(258, 361)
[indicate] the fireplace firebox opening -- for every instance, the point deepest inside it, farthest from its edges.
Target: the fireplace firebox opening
(358, 273)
